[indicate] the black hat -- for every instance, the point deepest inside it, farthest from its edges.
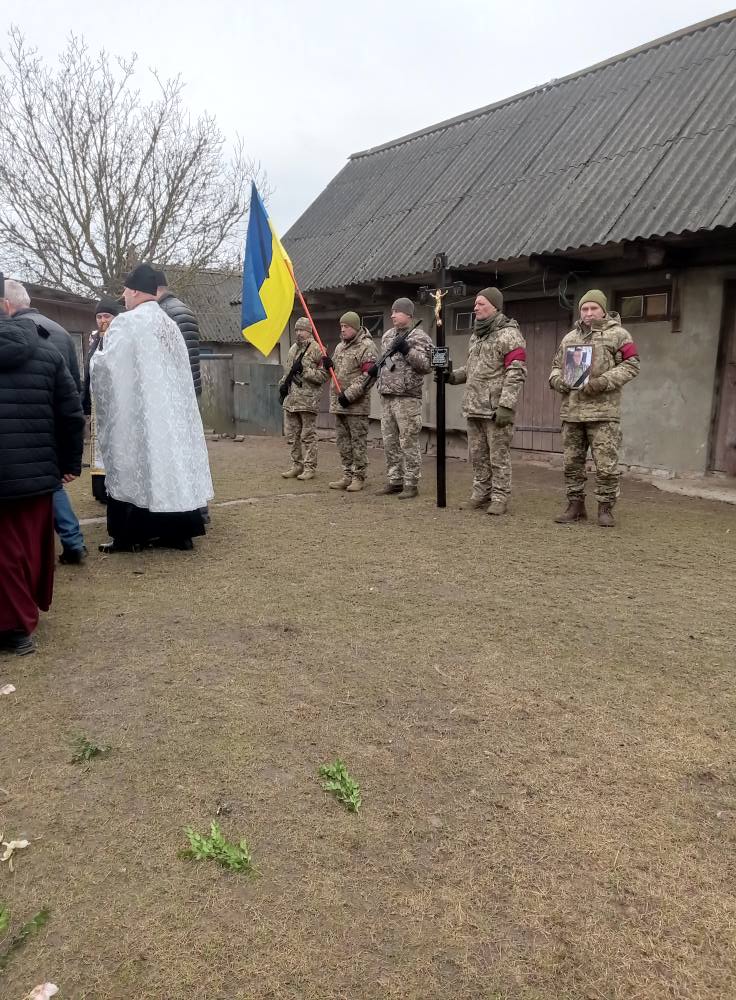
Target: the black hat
(142, 279)
(161, 278)
(106, 305)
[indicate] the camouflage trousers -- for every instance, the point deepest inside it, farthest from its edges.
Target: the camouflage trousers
(604, 439)
(401, 424)
(301, 436)
(352, 444)
(490, 454)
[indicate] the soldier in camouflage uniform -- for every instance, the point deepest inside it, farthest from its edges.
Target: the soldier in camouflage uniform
(400, 385)
(353, 357)
(301, 401)
(591, 416)
(493, 377)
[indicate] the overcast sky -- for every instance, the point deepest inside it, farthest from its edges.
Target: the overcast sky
(306, 84)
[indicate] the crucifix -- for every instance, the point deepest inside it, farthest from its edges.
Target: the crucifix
(441, 360)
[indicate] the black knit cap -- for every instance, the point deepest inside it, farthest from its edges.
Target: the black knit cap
(161, 278)
(142, 279)
(106, 305)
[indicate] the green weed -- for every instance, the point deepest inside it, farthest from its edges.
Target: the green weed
(85, 749)
(234, 857)
(29, 928)
(342, 786)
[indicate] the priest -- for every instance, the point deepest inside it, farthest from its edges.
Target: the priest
(149, 427)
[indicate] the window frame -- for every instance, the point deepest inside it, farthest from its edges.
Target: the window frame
(645, 292)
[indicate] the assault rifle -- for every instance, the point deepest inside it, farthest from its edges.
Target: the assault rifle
(293, 376)
(393, 349)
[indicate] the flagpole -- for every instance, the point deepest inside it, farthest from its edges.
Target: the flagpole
(317, 337)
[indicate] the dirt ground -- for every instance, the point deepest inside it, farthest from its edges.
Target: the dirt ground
(541, 719)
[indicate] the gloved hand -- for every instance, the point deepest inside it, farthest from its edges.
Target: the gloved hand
(595, 385)
(327, 363)
(504, 416)
(441, 374)
(403, 347)
(372, 372)
(343, 400)
(283, 393)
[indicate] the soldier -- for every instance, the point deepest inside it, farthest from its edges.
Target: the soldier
(493, 377)
(591, 416)
(300, 389)
(400, 385)
(354, 356)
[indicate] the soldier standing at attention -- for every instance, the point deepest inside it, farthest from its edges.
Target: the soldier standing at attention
(354, 357)
(591, 416)
(400, 385)
(493, 377)
(300, 389)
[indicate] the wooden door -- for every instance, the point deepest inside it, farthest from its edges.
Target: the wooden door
(724, 428)
(544, 323)
(256, 404)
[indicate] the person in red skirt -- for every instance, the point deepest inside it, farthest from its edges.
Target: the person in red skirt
(41, 441)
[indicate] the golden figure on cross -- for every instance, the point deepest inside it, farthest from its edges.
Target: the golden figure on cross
(438, 296)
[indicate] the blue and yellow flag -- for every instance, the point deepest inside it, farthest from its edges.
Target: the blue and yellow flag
(268, 284)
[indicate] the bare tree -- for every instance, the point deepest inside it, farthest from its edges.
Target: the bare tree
(93, 178)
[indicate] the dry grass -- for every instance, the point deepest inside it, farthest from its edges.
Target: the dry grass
(540, 719)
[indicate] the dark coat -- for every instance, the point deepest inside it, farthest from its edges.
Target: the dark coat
(185, 319)
(58, 337)
(41, 420)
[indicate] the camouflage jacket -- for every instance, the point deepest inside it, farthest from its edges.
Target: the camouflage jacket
(404, 376)
(306, 388)
(495, 370)
(615, 358)
(352, 359)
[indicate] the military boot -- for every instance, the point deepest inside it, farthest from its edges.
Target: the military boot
(408, 493)
(605, 515)
(389, 488)
(497, 507)
(475, 503)
(307, 474)
(356, 485)
(575, 512)
(341, 484)
(293, 472)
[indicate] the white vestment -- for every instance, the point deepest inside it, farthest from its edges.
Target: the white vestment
(149, 426)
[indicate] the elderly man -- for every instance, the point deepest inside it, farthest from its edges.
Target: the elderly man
(41, 440)
(151, 437)
(591, 415)
(493, 377)
(401, 386)
(66, 523)
(300, 389)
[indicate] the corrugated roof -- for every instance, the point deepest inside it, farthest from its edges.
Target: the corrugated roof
(209, 295)
(640, 146)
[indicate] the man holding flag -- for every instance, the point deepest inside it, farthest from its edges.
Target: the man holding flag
(300, 390)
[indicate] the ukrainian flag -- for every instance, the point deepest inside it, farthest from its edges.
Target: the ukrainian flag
(268, 283)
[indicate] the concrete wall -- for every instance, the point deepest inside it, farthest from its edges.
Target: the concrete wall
(667, 410)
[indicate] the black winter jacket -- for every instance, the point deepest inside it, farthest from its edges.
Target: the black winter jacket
(41, 420)
(185, 319)
(58, 337)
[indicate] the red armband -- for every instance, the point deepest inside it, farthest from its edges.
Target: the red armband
(366, 366)
(628, 351)
(518, 354)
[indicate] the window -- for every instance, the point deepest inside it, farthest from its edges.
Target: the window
(463, 321)
(373, 322)
(646, 306)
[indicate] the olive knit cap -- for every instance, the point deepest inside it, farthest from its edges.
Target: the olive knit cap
(494, 296)
(403, 305)
(594, 295)
(302, 324)
(351, 319)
